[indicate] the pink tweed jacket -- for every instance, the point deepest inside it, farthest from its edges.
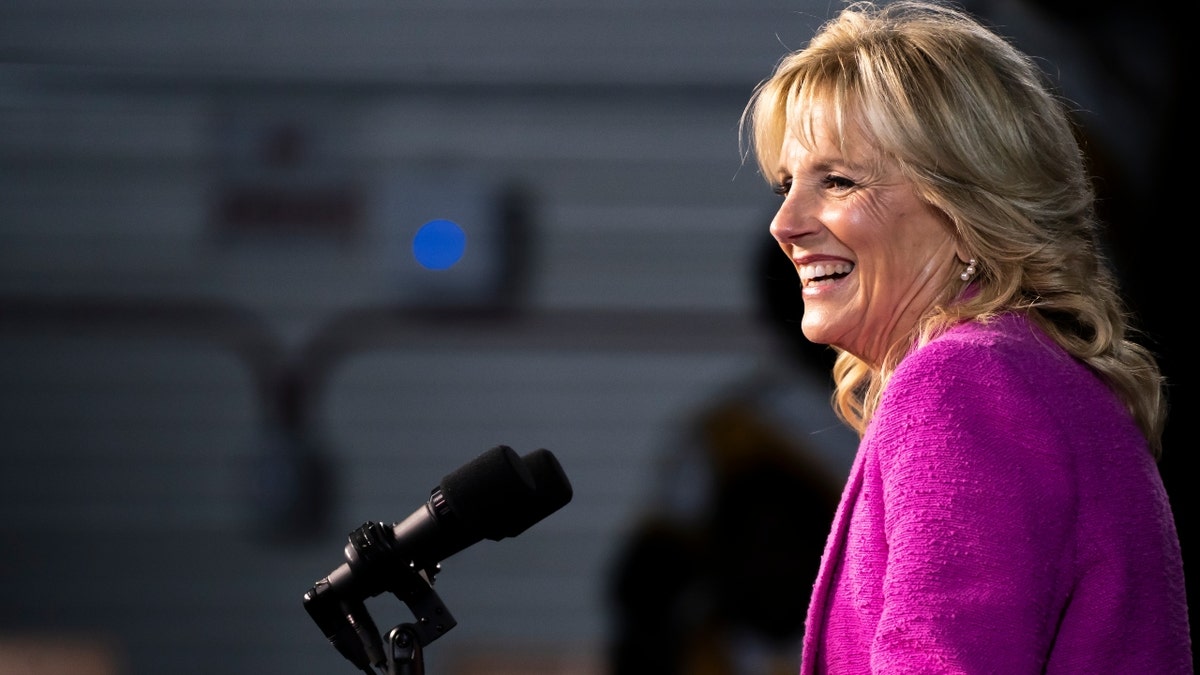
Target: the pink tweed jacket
(1003, 515)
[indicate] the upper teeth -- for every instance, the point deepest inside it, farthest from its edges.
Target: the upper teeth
(810, 272)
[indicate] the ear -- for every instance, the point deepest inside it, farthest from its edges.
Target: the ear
(960, 249)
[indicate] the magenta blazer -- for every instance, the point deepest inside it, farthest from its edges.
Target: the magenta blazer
(1003, 515)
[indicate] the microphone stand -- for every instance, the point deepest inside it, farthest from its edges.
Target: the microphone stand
(404, 655)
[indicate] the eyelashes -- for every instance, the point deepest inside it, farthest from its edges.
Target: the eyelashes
(829, 181)
(838, 182)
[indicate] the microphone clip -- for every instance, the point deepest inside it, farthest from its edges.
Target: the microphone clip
(375, 568)
(373, 547)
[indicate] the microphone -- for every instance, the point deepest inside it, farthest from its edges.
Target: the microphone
(497, 495)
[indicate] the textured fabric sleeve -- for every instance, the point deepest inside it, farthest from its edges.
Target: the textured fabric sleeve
(979, 502)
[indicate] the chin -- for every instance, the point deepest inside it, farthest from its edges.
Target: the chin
(814, 334)
(820, 336)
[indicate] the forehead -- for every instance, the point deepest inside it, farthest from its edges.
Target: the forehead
(827, 132)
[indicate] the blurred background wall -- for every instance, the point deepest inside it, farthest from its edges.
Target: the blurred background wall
(218, 355)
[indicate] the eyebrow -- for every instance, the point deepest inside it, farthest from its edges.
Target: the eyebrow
(827, 164)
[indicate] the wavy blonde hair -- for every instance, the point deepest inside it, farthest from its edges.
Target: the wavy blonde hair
(975, 126)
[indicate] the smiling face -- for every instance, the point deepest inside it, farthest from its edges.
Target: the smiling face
(871, 256)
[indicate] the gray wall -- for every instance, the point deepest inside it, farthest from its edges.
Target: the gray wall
(145, 350)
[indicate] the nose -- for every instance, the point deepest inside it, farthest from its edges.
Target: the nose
(793, 220)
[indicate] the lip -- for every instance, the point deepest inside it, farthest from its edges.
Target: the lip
(814, 258)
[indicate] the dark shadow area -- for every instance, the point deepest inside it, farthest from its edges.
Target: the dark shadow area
(715, 576)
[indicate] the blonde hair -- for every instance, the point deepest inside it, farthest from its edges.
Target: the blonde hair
(974, 125)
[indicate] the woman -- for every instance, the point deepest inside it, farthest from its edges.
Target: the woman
(1004, 513)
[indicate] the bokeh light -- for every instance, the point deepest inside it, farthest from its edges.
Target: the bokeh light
(439, 244)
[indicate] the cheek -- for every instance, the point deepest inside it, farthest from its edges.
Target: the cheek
(892, 233)
(856, 227)
(878, 217)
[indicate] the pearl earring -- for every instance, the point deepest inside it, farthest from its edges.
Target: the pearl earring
(969, 272)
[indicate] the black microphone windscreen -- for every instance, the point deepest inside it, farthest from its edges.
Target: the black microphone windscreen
(491, 495)
(553, 488)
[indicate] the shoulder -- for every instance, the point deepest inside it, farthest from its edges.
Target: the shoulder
(984, 403)
(1007, 351)
(1002, 338)
(1000, 381)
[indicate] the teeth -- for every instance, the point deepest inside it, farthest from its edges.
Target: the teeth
(810, 272)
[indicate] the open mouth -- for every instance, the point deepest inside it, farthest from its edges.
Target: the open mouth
(823, 272)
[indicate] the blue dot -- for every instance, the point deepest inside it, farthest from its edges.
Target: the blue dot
(439, 244)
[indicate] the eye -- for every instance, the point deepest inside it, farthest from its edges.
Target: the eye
(783, 187)
(836, 182)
